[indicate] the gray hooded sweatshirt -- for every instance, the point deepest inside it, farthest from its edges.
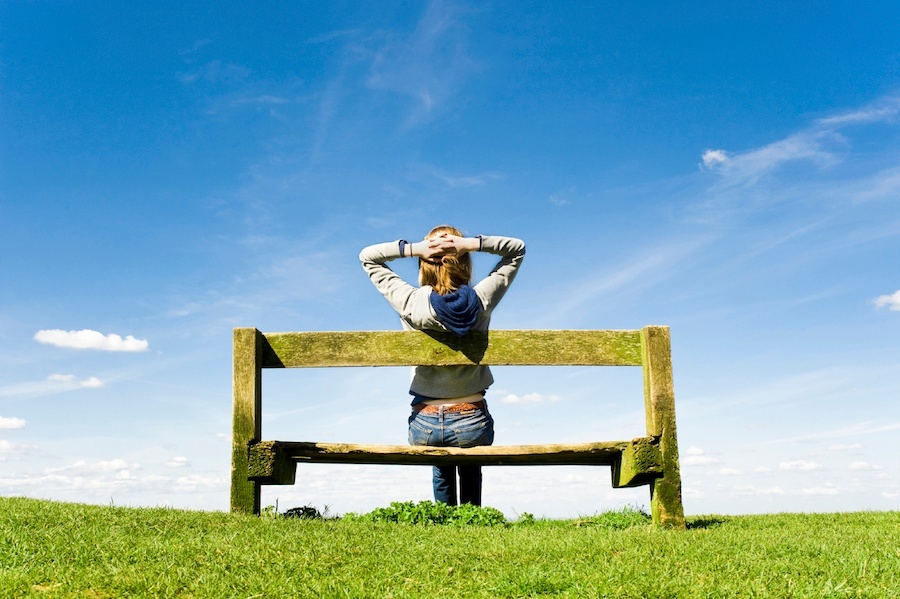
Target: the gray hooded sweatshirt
(414, 306)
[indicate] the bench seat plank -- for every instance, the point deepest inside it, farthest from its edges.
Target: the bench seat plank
(634, 462)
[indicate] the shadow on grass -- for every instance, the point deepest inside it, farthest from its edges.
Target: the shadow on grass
(705, 522)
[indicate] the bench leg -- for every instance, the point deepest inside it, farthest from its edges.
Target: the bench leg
(659, 403)
(246, 422)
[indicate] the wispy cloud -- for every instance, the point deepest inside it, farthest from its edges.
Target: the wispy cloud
(53, 384)
(88, 339)
(883, 110)
(747, 180)
(8, 449)
(864, 466)
(84, 467)
(285, 283)
(96, 480)
(695, 456)
(800, 465)
(217, 72)
(331, 36)
(512, 398)
(637, 275)
(429, 64)
(70, 379)
(826, 489)
(861, 428)
(457, 181)
(744, 169)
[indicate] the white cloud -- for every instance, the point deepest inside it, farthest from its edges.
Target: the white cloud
(529, 398)
(827, 489)
(72, 381)
(10, 422)
(712, 158)
(729, 472)
(845, 447)
(92, 382)
(751, 490)
(10, 448)
(697, 457)
(864, 466)
(99, 481)
(88, 339)
(83, 467)
(892, 302)
(800, 465)
(178, 462)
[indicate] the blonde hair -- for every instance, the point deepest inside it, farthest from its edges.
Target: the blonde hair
(451, 272)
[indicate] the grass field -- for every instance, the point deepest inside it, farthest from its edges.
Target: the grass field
(50, 549)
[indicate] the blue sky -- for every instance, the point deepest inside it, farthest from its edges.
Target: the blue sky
(171, 171)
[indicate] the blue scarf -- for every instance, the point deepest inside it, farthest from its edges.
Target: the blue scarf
(457, 310)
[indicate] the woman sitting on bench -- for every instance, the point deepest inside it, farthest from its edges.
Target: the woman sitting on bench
(448, 406)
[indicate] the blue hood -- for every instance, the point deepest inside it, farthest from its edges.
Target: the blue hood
(457, 310)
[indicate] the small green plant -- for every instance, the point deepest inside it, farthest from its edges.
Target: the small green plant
(526, 519)
(306, 512)
(430, 512)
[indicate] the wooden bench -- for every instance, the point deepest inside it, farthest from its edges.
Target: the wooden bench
(650, 460)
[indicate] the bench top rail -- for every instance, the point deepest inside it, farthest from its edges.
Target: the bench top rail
(415, 348)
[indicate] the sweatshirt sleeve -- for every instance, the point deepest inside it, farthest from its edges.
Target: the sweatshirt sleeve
(410, 302)
(512, 251)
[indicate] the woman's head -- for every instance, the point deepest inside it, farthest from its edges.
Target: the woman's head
(451, 272)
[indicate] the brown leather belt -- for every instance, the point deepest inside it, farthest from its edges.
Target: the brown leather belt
(448, 408)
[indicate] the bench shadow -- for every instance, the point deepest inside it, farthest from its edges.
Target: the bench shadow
(704, 523)
(472, 345)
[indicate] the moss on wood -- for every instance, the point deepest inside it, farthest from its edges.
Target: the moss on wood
(640, 464)
(409, 348)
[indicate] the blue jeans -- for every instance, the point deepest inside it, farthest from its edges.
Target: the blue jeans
(456, 429)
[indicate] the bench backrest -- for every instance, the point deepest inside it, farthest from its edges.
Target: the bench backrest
(648, 348)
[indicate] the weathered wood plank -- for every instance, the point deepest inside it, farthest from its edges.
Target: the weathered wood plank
(266, 458)
(640, 464)
(410, 348)
(246, 417)
(270, 464)
(659, 401)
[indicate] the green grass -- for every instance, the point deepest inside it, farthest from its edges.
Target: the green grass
(50, 549)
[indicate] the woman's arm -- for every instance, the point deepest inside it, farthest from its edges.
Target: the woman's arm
(512, 251)
(389, 284)
(403, 297)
